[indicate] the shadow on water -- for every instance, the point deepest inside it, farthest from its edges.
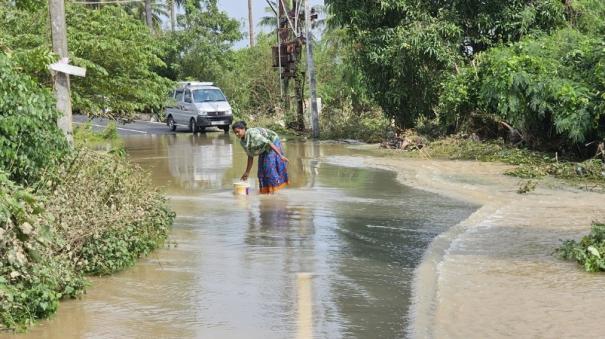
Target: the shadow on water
(233, 271)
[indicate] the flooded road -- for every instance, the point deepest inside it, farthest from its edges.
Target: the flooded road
(231, 264)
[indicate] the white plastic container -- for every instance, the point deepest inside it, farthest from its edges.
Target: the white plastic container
(241, 188)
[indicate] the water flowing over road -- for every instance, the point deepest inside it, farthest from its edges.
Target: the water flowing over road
(230, 267)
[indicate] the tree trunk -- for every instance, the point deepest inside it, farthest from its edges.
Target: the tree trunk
(173, 15)
(250, 23)
(300, 97)
(148, 15)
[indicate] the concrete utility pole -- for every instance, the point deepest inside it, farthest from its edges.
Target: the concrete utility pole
(250, 23)
(311, 71)
(148, 14)
(61, 80)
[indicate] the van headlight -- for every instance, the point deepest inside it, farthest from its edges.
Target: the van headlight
(228, 112)
(202, 114)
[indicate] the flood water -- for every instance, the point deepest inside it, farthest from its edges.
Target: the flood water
(231, 264)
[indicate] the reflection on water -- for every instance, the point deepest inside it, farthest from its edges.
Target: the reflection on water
(198, 161)
(233, 273)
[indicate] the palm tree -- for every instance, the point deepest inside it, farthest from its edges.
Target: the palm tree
(158, 10)
(173, 6)
(269, 20)
(250, 23)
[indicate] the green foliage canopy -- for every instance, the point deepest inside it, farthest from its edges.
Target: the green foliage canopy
(548, 86)
(120, 53)
(201, 50)
(121, 56)
(406, 47)
(29, 137)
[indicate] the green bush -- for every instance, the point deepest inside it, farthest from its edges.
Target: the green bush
(120, 217)
(548, 85)
(589, 251)
(94, 214)
(32, 276)
(345, 124)
(29, 137)
(406, 48)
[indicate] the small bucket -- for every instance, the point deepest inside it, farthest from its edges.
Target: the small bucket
(241, 188)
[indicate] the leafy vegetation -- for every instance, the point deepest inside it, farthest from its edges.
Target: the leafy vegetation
(202, 49)
(63, 212)
(589, 251)
(120, 58)
(32, 277)
(120, 217)
(548, 88)
(30, 140)
(531, 68)
(107, 140)
(406, 48)
(529, 164)
(46, 247)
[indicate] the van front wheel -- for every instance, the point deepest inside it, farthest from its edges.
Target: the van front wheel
(226, 129)
(192, 126)
(170, 123)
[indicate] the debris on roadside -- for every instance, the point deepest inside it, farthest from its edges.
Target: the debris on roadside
(404, 140)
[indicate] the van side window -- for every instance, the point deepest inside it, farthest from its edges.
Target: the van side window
(188, 96)
(179, 96)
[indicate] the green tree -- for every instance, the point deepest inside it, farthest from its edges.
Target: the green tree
(122, 59)
(252, 84)
(121, 55)
(158, 11)
(547, 87)
(30, 140)
(405, 48)
(202, 49)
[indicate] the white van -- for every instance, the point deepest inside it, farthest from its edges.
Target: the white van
(197, 105)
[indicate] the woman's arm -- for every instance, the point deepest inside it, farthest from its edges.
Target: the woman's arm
(248, 168)
(274, 148)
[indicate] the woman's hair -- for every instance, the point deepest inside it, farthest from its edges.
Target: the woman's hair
(239, 125)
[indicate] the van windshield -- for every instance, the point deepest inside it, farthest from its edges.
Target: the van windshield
(210, 94)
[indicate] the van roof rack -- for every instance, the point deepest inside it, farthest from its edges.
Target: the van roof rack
(195, 83)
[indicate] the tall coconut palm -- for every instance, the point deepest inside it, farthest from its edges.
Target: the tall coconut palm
(250, 23)
(269, 21)
(158, 10)
(173, 6)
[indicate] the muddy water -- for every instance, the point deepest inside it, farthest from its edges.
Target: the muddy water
(230, 268)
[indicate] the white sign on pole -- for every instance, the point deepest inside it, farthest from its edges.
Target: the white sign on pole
(63, 66)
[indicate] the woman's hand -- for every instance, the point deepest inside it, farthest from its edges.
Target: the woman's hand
(244, 177)
(283, 158)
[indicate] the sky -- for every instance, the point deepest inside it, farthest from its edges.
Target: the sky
(238, 9)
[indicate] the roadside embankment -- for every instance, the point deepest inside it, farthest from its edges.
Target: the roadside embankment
(494, 275)
(95, 213)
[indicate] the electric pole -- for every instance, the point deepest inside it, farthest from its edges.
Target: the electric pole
(61, 80)
(311, 72)
(250, 23)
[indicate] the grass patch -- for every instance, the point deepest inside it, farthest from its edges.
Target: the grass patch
(107, 140)
(528, 164)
